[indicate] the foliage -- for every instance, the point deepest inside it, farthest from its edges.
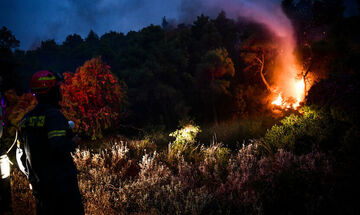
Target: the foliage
(184, 143)
(216, 157)
(16, 108)
(163, 69)
(8, 62)
(299, 133)
(186, 134)
(214, 70)
(7, 40)
(216, 64)
(23, 201)
(113, 181)
(93, 98)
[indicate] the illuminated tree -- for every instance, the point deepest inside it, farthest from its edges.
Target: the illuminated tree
(93, 98)
(255, 59)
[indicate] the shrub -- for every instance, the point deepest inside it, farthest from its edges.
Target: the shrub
(215, 161)
(93, 98)
(184, 143)
(300, 133)
(284, 183)
(113, 181)
(186, 134)
(16, 108)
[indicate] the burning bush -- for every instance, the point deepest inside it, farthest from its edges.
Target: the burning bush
(93, 98)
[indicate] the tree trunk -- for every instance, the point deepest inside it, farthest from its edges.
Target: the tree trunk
(262, 62)
(305, 75)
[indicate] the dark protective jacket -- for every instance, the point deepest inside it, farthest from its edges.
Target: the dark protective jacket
(44, 136)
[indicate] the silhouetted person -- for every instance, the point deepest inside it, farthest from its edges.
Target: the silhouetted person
(46, 140)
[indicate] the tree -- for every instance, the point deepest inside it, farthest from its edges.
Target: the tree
(91, 45)
(73, 41)
(165, 24)
(215, 66)
(7, 39)
(48, 45)
(92, 37)
(153, 68)
(204, 37)
(255, 56)
(93, 98)
(8, 62)
(228, 31)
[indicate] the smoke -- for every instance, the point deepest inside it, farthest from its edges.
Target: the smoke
(267, 12)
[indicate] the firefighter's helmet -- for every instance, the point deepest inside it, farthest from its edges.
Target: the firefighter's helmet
(42, 81)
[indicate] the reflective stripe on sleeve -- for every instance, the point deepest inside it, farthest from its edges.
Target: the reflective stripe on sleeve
(56, 133)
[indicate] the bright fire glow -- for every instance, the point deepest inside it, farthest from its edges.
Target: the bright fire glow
(292, 102)
(278, 101)
(288, 80)
(287, 89)
(300, 92)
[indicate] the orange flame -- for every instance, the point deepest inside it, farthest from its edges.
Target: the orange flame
(278, 101)
(292, 102)
(288, 77)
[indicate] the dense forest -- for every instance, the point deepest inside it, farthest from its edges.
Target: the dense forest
(205, 78)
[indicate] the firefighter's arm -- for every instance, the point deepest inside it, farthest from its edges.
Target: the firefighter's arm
(21, 160)
(57, 127)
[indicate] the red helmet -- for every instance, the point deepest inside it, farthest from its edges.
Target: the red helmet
(42, 81)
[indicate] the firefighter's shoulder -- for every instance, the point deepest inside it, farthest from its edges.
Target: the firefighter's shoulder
(53, 112)
(54, 115)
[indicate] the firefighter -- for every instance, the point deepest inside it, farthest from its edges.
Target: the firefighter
(47, 143)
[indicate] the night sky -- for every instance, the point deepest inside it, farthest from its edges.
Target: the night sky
(36, 20)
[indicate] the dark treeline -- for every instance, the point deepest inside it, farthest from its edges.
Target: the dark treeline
(205, 71)
(172, 72)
